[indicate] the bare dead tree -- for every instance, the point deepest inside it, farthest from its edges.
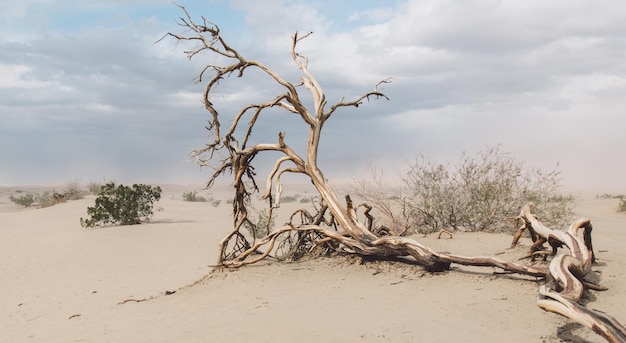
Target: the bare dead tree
(335, 226)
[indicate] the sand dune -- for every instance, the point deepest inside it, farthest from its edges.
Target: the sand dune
(63, 283)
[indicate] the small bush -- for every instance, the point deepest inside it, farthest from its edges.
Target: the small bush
(289, 198)
(260, 225)
(122, 205)
(483, 192)
(216, 202)
(48, 199)
(193, 197)
(94, 187)
(73, 191)
(25, 200)
(622, 205)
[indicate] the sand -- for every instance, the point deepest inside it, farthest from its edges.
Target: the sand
(64, 283)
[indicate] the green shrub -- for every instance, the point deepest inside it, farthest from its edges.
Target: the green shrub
(122, 205)
(193, 197)
(25, 200)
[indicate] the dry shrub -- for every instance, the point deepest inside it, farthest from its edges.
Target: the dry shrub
(388, 200)
(73, 191)
(484, 192)
(25, 200)
(94, 187)
(193, 197)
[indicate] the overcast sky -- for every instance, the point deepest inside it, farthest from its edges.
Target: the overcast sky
(86, 95)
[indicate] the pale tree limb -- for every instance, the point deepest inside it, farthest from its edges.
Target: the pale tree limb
(602, 324)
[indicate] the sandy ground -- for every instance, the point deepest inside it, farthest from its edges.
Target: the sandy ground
(60, 282)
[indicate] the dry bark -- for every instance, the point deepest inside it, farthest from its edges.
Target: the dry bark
(565, 286)
(336, 226)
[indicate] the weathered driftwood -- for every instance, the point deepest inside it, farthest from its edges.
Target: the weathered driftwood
(541, 234)
(336, 226)
(565, 286)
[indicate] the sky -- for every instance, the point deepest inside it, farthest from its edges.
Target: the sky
(87, 93)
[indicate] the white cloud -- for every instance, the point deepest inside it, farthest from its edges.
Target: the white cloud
(99, 108)
(186, 99)
(544, 78)
(20, 76)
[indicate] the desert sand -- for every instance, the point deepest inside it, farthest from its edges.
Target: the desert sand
(64, 283)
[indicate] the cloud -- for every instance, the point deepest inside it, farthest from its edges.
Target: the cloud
(95, 95)
(103, 101)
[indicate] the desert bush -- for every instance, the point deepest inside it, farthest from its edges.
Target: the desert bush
(26, 199)
(94, 187)
(122, 205)
(388, 200)
(289, 198)
(48, 199)
(35, 199)
(261, 224)
(483, 193)
(215, 202)
(193, 197)
(622, 205)
(73, 191)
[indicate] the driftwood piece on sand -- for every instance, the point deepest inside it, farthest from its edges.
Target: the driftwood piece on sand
(566, 283)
